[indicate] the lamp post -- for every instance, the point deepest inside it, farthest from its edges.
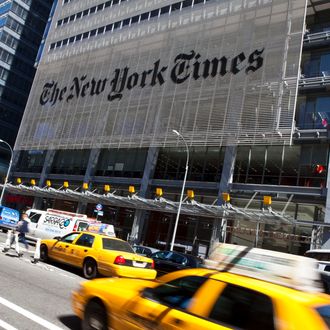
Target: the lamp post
(182, 191)
(8, 171)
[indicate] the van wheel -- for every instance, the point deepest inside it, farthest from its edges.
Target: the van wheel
(95, 317)
(43, 253)
(90, 269)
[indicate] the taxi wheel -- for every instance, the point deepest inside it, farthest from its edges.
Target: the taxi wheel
(43, 253)
(95, 317)
(90, 269)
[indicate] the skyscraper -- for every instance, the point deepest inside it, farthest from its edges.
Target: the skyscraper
(22, 25)
(245, 83)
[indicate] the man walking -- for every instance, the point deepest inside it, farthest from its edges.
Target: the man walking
(23, 228)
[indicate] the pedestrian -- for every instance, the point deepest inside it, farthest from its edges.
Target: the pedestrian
(23, 228)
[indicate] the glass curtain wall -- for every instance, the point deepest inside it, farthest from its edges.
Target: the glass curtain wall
(282, 165)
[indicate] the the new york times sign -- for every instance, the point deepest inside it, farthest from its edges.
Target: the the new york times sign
(186, 65)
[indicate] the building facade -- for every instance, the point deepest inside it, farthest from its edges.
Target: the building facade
(244, 83)
(21, 30)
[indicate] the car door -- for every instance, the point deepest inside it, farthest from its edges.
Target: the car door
(81, 248)
(235, 307)
(149, 309)
(33, 224)
(61, 248)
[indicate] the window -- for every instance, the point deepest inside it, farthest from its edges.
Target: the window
(144, 16)
(69, 238)
(85, 240)
(165, 10)
(154, 13)
(324, 312)
(107, 4)
(116, 245)
(34, 217)
(176, 6)
(187, 3)
(244, 309)
(135, 19)
(109, 27)
(177, 293)
(117, 25)
(93, 33)
(126, 21)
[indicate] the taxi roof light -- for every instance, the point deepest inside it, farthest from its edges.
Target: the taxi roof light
(271, 266)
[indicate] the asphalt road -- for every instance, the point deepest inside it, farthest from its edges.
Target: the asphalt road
(35, 296)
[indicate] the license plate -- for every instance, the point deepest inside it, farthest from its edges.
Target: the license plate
(139, 264)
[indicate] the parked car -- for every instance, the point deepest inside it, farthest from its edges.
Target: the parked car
(169, 261)
(144, 250)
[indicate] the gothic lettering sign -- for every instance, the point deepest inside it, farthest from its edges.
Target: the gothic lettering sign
(219, 72)
(185, 65)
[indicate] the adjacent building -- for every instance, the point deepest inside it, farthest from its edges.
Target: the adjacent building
(22, 25)
(126, 90)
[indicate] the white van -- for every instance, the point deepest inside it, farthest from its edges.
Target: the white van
(53, 223)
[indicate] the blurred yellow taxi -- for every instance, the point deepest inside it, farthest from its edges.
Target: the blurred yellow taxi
(202, 299)
(97, 254)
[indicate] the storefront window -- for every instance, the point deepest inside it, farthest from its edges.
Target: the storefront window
(205, 164)
(122, 163)
(300, 165)
(31, 161)
(70, 162)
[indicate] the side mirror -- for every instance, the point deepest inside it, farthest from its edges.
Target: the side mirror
(57, 238)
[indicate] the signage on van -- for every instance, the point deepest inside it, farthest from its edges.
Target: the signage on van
(52, 222)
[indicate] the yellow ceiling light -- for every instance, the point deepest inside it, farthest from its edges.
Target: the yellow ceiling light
(159, 192)
(48, 183)
(85, 186)
(33, 182)
(267, 200)
(191, 194)
(226, 197)
(107, 188)
(66, 184)
(18, 180)
(131, 189)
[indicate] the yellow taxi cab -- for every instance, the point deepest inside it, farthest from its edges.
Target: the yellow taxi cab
(209, 299)
(97, 254)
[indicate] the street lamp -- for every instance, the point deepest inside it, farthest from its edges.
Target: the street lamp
(182, 191)
(8, 171)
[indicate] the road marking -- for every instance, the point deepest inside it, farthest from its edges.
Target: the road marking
(29, 315)
(6, 326)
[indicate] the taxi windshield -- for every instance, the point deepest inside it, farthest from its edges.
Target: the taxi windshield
(113, 244)
(324, 312)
